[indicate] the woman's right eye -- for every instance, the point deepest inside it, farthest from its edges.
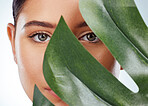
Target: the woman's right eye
(40, 37)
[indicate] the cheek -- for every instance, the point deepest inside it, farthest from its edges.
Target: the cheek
(30, 60)
(100, 52)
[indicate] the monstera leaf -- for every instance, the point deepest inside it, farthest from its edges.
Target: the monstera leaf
(78, 78)
(119, 25)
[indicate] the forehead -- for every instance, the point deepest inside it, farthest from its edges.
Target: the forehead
(49, 9)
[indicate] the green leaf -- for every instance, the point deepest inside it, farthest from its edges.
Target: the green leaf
(39, 99)
(119, 25)
(57, 73)
(65, 53)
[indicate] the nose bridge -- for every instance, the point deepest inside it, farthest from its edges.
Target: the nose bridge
(73, 18)
(69, 9)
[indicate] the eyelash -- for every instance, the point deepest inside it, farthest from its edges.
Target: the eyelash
(47, 34)
(85, 37)
(36, 34)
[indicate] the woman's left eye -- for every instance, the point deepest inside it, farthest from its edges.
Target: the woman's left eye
(40, 37)
(91, 37)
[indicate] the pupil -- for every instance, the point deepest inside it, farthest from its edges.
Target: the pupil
(91, 37)
(42, 37)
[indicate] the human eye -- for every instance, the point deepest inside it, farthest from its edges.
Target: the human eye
(40, 37)
(89, 36)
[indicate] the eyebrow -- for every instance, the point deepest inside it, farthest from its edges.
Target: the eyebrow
(39, 23)
(49, 25)
(82, 24)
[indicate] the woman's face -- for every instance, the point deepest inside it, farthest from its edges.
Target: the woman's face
(35, 25)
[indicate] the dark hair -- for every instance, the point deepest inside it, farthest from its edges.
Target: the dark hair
(17, 7)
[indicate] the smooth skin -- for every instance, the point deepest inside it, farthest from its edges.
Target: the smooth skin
(35, 25)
